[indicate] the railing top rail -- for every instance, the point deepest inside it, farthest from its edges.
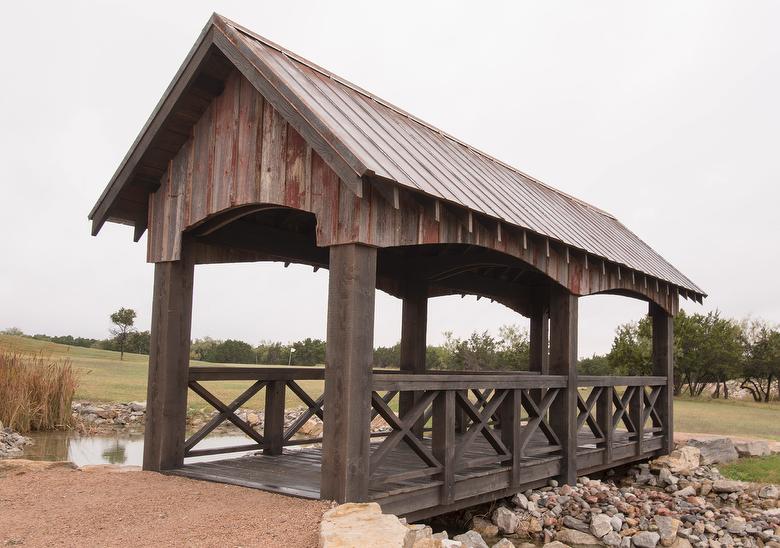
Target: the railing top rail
(454, 381)
(588, 380)
(244, 373)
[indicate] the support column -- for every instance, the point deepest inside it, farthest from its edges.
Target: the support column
(414, 324)
(563, 361)
(349, 356)
(169, 358)
(539, 342)
(663, 365)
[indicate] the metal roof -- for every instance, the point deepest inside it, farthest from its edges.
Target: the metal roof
(395, 145)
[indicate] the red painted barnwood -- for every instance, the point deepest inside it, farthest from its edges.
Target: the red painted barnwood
(250, 126)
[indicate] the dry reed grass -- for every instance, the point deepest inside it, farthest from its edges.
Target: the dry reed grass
(36, 390)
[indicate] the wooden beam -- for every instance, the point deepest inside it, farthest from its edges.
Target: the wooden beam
(663, 365)
(349, 355)
(169, 358)
(414, 323)
(273, 426)
(563, 361)
(539, 340)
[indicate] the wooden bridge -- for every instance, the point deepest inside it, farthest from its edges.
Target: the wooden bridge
(468, 438)
(255, 154)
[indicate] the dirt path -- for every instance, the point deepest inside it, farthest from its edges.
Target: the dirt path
(58, 506)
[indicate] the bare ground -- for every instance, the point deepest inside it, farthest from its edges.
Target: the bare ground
(45, 505)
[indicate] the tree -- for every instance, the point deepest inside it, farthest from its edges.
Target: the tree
(762, 363)
(123, 320)
(309, 352)
(15, 331)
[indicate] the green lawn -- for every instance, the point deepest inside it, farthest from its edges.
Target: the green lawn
(759, 469)
(104, 377)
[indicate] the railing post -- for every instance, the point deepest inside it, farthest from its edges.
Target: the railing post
(169, 359)
(460, 416)
(663, 365)
(349, 355)
(443, 442)
(635, 413)
(604, 419)
(509, 414)
(563, 361)
(273, 426)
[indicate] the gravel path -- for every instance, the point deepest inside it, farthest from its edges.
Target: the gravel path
(41, 505)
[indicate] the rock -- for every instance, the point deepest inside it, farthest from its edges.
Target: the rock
(577, 539)
(361, 524)
(556, 544)
(252, 419)
(769, 492)
(437, 543)
(616, 522)
(521, 501)
(716, 450)
(727, 486)
(470, 539)
(577, 524)
(484, 527)
(680, 461)
(645, 539)
(667, 529)
(685, 492)
(417, 532)
(755, 448)
(600, 525)
(612, 539)
(681, 543)
(736, 525)
(504, 543)
(506, 520)
(137, 406)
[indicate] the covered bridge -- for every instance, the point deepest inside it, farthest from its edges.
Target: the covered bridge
(255, 154)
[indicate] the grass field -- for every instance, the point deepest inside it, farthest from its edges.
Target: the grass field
(104, 377)
(760, 469)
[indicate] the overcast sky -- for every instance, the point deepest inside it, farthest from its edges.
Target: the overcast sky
(663, 113)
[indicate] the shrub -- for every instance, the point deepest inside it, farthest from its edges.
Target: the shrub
(36, 391)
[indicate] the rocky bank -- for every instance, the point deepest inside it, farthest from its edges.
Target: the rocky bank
(11, 442)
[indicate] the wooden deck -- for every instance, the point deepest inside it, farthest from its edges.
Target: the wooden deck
(296, 472)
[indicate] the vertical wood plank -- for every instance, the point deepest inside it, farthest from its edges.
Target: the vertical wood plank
(223, 180)
(295, 170)
(663, 365)
(509, 417)
(349, 356)
(273, 427)
(414, 324)
(273, 156)
(539, 341)
(250, 124)
(635, 412)
(443, 442)
(604, 419)
(169, 355)
(563, 361)
(203, 135)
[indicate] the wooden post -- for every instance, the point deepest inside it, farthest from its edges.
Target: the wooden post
(273, 426)
(635, 413)
(663, 365)
(539, 342)
(349, 356)
(563, 361)
(509, 413)
(604, 418)
(169, 359)
(443, 442)
(414, 323)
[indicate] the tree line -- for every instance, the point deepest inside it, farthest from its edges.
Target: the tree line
(709, 351)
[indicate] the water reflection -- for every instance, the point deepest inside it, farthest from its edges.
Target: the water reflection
(125, 448)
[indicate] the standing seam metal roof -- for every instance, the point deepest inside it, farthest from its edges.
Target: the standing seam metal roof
(400, 147)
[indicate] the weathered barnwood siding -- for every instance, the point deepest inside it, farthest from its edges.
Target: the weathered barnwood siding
(242, 151)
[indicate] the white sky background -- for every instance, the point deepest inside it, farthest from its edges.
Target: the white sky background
(665, 114)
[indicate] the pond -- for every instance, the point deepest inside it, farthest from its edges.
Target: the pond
(125, 448)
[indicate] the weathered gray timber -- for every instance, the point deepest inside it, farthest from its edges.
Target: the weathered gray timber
(255, 154)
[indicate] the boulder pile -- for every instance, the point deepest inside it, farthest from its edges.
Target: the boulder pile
(680, 500)
(11, 442)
